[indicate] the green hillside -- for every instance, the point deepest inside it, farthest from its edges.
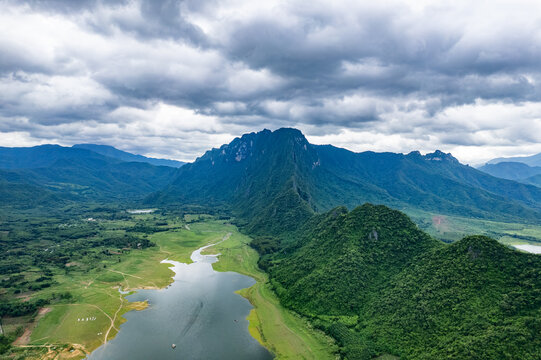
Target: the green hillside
(370, 244)
(435, 182)
(15, 192)
(474, 299)
(379, 285)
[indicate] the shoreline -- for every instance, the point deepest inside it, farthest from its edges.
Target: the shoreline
(195, 257)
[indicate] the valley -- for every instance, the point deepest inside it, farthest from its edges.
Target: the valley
(258, 180)
(308, 233)
(92, 307)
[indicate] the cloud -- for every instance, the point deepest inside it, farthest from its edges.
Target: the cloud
(52, 99)
(177, 77)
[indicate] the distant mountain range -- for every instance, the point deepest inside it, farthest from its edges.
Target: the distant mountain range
(256, 174)
(112, 152)
(526, 170)
(514, 171)
(533, 160)
(51, 173)
(280, 175)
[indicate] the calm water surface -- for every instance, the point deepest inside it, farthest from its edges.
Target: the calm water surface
(534, 249)
(199, 312)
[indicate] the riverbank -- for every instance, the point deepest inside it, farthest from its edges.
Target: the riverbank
(96, 295)
(281, 331)
(199, 313)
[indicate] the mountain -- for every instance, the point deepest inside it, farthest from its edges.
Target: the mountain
(533, 180)
(37, 172)
(265, 174)
(40, 156)
(370, 244)
(378, 284)
(511, 170)
(514, 171)
(114, 153)
(533, 160)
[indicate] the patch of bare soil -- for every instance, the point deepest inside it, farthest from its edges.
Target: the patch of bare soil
(440, 223)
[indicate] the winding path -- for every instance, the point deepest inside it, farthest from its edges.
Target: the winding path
(113, 319)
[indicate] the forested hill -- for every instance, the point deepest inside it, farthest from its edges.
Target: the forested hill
(340, 259)
(379, 285)
(256, 172)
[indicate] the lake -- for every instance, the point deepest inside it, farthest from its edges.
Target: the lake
(199, 312)
(141, 211)
(534, 249)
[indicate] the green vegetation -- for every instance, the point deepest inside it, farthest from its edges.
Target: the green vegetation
(371, 244)
(99, 263)
(50, 175)
(369, 278)
(407, 294)
(473, 299)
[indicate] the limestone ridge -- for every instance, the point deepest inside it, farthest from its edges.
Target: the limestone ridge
(269, 171)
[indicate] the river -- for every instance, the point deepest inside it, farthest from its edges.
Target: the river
(199, 313)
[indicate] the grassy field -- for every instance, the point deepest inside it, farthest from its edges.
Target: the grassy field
(283, 332)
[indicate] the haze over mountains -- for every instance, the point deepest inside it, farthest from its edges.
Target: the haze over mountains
(113, 152)
(533, 160)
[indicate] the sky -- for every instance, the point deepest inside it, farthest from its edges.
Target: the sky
(176, 78)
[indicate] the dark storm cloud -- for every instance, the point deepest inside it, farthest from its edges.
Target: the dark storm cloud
(434, 59)
(461, 71)
(157, 19)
